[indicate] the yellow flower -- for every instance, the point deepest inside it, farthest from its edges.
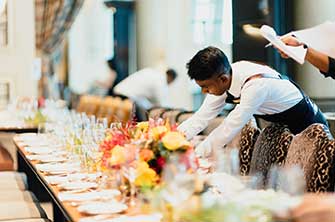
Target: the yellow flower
(157, 131)
(143, 126)
(118, 155)
(175, 140)
(146, 177)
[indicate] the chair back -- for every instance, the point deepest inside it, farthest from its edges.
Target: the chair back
(314, 150)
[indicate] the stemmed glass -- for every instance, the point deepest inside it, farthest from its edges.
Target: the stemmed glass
(289, 179)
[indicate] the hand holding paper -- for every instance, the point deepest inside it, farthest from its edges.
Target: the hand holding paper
(297, 53)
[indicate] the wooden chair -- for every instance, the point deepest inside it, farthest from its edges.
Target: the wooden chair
(170, 115)
(124, 112)
(314, 150)
(156, 112)
(181, 117)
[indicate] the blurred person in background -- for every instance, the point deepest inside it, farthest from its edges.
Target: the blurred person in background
(147, 87)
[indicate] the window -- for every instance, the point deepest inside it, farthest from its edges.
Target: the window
(3, 23)
(212, 21)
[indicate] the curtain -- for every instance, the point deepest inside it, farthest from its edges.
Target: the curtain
(53, 19)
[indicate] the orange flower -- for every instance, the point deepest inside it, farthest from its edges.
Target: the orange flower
(146, 155)
(175, 140)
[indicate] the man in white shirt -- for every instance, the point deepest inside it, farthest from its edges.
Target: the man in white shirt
(256, 89)
(147, 86)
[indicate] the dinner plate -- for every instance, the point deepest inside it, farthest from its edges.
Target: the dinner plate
(39, 150)
(55, 180)
(156, 217)
(58, 168)
(46, 158)
(78, 185)
(89, 196)
(96, 207)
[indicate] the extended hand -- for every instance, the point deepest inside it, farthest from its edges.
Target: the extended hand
(204, 149)
(290, 41)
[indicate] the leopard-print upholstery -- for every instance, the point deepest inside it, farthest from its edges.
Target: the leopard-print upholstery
(249, 135)
(271, 148)
(245, 142)
(314, 150)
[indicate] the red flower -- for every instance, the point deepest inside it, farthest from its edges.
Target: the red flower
(161, 162)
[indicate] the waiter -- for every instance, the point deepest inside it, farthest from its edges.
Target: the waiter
(256, 89)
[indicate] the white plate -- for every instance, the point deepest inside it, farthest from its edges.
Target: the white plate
(46, 158)
(39, 150)
(89, 196)
(94, 208)
(55, 180)
(58, 168)
(82, 176)
(156, 217)
(78, 185)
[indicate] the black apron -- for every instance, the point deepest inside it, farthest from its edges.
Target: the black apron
(297, 118)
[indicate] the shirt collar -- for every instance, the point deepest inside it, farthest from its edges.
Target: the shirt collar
(235, 86)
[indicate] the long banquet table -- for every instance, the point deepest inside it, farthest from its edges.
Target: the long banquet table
(62, 211)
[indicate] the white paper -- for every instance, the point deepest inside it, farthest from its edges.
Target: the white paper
(320, 38)
(296, 53)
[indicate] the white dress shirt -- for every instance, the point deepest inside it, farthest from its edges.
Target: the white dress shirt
(147, 84)
(258, 96)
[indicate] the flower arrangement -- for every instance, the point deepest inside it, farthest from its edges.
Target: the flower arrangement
(147, 144)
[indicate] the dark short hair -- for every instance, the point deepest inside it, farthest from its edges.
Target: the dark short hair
(172, 73)
(208, 62)
(112, 64)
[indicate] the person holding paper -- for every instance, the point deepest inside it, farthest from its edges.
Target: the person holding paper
(256, 89)
(324, 63)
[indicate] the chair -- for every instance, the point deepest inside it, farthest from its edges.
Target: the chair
(15, 210)
(246, 141)
(270, 148)
(109, 108)
(11, 180)
(331, 121)
(124, 112)
(171, 115)
(314, 150)
(156, 112)
(181, 117)
(6, 160)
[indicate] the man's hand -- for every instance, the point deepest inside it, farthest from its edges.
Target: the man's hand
(290, 41)
(204, 149)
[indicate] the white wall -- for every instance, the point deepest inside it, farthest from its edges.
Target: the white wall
(16, 61)
(165, 33)
(310, 13)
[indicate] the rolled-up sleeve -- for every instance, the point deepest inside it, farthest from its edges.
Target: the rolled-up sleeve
(331, 69)
(210, 108)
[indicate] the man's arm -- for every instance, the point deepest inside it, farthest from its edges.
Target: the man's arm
(253, 96)
(210, 108)
(324, 63)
